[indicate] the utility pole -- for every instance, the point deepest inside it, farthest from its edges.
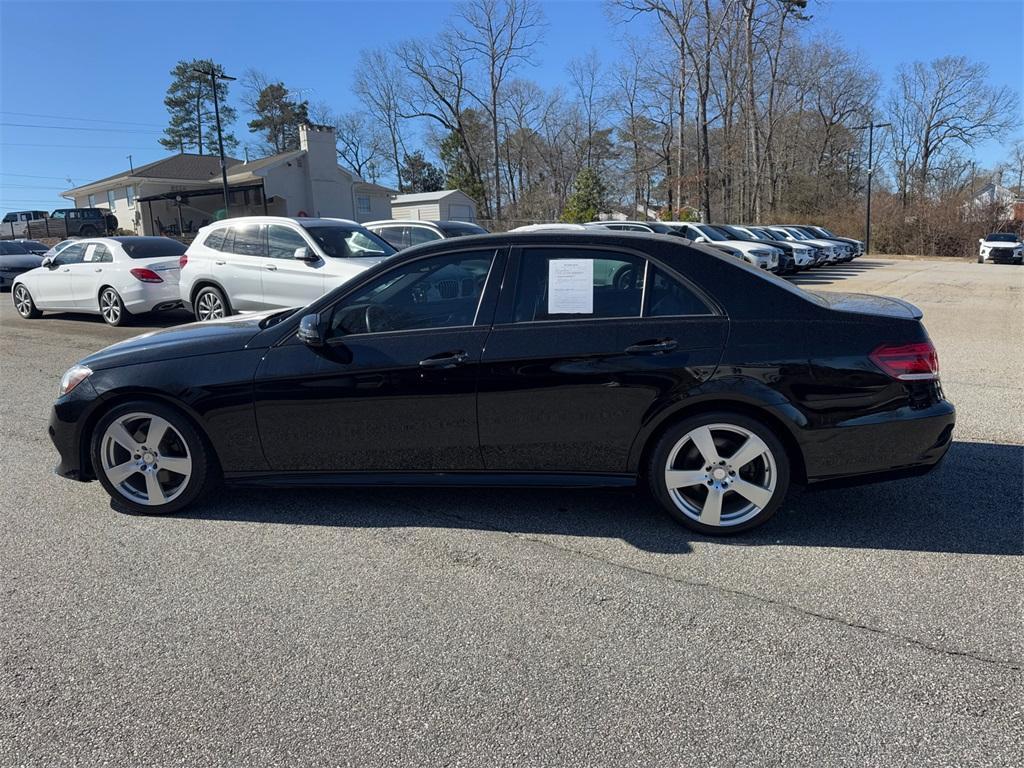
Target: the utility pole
(131, 165)
(214, 76)
(870, 128)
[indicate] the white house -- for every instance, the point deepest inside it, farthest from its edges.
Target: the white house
(183, 192)
(446, 205)
(993, 198)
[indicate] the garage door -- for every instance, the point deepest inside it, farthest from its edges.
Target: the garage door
(458, 212)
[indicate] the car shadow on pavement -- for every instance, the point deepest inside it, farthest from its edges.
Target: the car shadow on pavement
(972, 504)
(145, 322)
(830, 274)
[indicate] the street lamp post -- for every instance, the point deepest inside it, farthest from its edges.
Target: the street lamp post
(214, 76)
(870, 128)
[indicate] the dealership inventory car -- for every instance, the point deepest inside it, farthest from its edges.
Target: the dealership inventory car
(519, 359)
(835, 252)
(115, 277)
(33, 246)
(812, 231)
(15, 259)
(1004, 247)
(763, 256)
(266, 262)
(403, 233)
(794, 255)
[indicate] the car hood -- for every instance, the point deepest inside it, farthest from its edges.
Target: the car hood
(205, 338)
(1000, 244)
(746, 246)
(869, 304)
(20, 260)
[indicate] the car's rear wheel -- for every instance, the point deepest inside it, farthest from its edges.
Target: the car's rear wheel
(89, 232)
(23, 302)
(150, 458)
(210, 304)
(719, 473)
(112, 307)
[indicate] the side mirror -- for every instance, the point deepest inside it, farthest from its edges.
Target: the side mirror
(981, 239)
(700, 239)
(309, 331)
(304, 254)
(47, 262)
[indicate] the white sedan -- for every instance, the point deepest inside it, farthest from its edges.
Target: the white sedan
(115, 277)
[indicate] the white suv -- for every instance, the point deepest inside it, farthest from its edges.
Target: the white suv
(268, 262)
(763, 256)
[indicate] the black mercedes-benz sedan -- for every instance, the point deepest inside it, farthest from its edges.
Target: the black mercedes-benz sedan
(546, 358)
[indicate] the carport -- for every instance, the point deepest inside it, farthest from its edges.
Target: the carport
(204, 204)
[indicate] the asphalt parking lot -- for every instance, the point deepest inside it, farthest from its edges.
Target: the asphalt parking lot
(866, 626)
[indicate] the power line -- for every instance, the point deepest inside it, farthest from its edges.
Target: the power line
(5, 185)
(74, 128)
(76, 146)
(81, 119)
(31, 176)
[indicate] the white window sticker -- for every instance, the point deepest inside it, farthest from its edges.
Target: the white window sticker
(571, 287)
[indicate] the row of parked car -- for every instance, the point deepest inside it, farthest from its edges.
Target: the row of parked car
(265, 262)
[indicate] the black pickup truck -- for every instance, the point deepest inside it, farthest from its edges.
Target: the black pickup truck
(73, 222)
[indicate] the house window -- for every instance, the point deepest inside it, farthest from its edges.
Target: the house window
(92, 201)
(362, 203)
(129, 193)
(110, 198)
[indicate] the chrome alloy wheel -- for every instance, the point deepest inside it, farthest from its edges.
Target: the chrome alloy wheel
(22, 300)
(721, 475)
(209, 306)
(110, 306)
(145, 459)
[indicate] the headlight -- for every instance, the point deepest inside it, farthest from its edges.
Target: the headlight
(75, 375)
(760, 254)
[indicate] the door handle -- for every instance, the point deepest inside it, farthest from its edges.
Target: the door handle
(652, 347)
(445, 360)
(272, 267)
(66, 269)
(98, 269)
(220, 263)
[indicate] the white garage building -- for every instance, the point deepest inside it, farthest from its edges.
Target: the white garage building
(446, 205)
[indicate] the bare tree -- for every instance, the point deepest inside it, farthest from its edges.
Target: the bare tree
(947, 104)
(380, 85)
(361, 143)
(502, 34)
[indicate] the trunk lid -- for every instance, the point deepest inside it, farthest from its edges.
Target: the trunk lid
(168, 269)
(868, 304)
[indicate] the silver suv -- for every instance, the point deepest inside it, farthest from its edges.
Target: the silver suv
(255, 263)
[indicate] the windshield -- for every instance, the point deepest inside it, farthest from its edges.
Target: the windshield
(734, 232)
(765, 234)
(11, 248)
(149, 247)
(1002, 237)
(796, 233)
(825, 232)
(345, 242)
(710, 233)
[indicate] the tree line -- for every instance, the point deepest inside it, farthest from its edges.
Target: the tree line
(722, 110)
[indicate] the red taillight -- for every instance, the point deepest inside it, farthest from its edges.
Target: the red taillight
(146, 275)
(182, 261)
(908, 362)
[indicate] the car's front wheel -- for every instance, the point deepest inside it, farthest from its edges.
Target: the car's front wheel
(24, 304)
(719, 473)
(150, 458)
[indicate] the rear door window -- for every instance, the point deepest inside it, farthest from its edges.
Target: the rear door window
(249, 240)
(419, 235)
(583, 284)
(284, 241)
(397, 236)
(215, 240)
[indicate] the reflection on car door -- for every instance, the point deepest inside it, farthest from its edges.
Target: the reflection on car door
(287, 281)
(568, 391)
(54, 285)
(240, 269)
(394, 387)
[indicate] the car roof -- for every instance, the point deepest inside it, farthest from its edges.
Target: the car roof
(302, 222)
(404, 223)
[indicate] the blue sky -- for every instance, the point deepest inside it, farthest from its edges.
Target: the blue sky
(101, 68)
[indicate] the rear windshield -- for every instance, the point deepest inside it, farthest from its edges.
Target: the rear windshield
(151, 247)
(460, 228)
(347, 242)
(11, 248)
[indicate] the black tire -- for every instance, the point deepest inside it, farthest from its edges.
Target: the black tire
(89, 231)
(205, 304)
(758, 471)
(27, 308)
(981, 259)
(112, 308)
(204, 471)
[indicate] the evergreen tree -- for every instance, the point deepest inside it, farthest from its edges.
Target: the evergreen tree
(586, 199)
(278, 116)
(189, 102)
(420, 175)
(459, 171)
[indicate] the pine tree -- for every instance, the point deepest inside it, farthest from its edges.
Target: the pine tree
(189, 103)
(279, 117)
(420, 175)
(586, 199)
